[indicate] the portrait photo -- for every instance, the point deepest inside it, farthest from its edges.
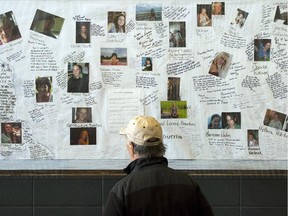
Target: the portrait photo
(177, 31)
(9, 30)
(173, 92)
(47, 24)
(220, 64)
(116, 22)
(204, 15)
(262, 49)
(218, 8)
(147, 64)
(173, 109)
(78, 77)
(275, 119)
(11, 132)
(149, 12)
(240, 18)
(81, 115)
(215, 121)
(231, 120)
(82, 32)
(252, 138)
(83, 136)
(44, 89)
(114, 56)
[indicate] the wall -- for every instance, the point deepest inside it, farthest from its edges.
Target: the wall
(230, 194)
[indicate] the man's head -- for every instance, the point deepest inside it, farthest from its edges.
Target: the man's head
(144, 137)
(49, 23)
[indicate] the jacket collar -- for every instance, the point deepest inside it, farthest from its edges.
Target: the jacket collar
(142, 162)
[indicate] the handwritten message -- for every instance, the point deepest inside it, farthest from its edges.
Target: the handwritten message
(181, 67)
(277, 86)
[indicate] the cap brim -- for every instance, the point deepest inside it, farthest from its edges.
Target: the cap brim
(123, 131)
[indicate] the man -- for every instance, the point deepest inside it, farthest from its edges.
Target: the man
(151, 187)
(49, 23)
(275, 122)
(78, 82)
(8, 135)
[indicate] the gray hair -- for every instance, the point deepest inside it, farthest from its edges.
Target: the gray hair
(149, 151)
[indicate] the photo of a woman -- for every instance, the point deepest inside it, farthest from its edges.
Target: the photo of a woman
(116, 22)
(220, 64)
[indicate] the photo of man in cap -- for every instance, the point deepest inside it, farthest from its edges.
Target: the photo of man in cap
(151, 187)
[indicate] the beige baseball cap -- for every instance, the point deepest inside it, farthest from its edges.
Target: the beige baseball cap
(142, 129)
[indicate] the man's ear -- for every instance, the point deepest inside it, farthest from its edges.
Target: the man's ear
(130, 147)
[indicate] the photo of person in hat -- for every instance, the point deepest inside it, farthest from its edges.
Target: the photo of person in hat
(151, 187)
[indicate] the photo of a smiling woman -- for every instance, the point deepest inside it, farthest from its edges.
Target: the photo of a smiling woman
(220, 64)
(231, 120)
(44, 89)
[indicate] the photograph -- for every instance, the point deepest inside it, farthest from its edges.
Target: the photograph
(148, 12)
(262, 49)
(214, 121)
(147, 64)
(281, 16)
(81, 115)
(218, 8)
(44, 89)
(82, 32)
(83, 136)
(47, 24)
(114, 56)
(78, 77)
(204, 14)
(116, 22)
(231, 120)
(177, 31)
(9, 30)
(11, 132)
(275, 119)
(252, 138)
(220, 64)
(173, 109)
(173, 88)
(240, 19)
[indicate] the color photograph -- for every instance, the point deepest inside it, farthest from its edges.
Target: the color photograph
(44, 89)
(220, 64)
(11, 132)
(173, 109)
(82, 115)
(262, 49)
(114, 56)
(82, 32)
(173, 88)
(275, 119)
(9, 30)
(252, 138)
(47, 24)
(240, 19)
(231, 120)
(177, 31)
(204, 15)
(83, 136)
(116, 22)
(148, 12)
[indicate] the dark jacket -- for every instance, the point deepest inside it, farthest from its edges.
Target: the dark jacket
(78, 85)
(152, 188)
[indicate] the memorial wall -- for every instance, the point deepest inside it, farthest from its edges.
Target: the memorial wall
(73, 73)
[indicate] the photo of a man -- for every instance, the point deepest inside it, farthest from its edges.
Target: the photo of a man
(47, 24)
